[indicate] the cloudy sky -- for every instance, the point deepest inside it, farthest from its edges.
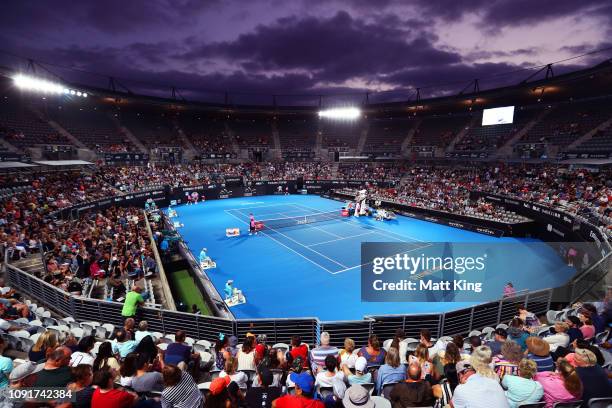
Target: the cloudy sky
(304, 46)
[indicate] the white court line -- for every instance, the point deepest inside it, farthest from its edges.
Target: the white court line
(280, 243)
(257, 206)
(343, 238)
(367, 263)
(304, 246)
(369, 226)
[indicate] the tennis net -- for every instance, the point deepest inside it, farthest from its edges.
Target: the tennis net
(276, 223)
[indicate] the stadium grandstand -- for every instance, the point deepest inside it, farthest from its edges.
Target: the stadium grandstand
(194, 252)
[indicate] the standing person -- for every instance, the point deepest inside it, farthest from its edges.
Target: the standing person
(252, 229)
(133, 299)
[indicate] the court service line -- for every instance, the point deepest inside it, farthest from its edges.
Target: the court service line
(289, 248)
(342, 238)
(258, 206)
(304, 246)
(372, 226)
(367, 263)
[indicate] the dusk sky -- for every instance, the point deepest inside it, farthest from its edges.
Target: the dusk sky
(305, 46)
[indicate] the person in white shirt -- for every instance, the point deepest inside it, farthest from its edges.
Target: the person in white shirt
(560, 338)
(83, 355)
(479, 385)
(325, 378)
(239, 377)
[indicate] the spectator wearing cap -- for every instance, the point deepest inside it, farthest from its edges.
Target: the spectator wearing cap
(560, 338)
(413, 392)
(595, 382)
(324, 378)
(521, 388)
(479, 386)
(56, 372)
(562, 385)
(361, 376)
(304, 393)
(81, 387)
(390, 372)
(180, 391)
(357, 397)
(539, 351)
(24, 375)
(500, 337)
(319, 354)
(508, 363)
(263, 395)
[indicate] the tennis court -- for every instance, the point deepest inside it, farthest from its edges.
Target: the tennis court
(313, 269)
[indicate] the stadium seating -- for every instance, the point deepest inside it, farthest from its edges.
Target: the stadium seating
(252, 132)
(439, 130)
(387, 135)
(340, 135)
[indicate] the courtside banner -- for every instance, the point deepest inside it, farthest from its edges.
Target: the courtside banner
(466, 272)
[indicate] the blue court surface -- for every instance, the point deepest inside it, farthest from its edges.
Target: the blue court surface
(313, 270)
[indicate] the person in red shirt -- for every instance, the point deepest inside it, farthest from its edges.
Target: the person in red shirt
(299, 350)
(304, 392)
(106, 396)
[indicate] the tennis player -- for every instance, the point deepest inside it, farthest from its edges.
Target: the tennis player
(252, 229)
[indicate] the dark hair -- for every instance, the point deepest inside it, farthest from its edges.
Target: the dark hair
(147, 348)
(475, 341)
(220, 344)
(575, 320)
(128, 366)
(172, 375)
(179, 337)
(458, 341)
(248, 345)
(86, 344)
(397, 338)
(452, 354)
(296, 341)
(500, 331)
(104, 352)
(331, 363)
(102, 377)
(374, 342)
(142, 361)
(120, 335)
(426, 334)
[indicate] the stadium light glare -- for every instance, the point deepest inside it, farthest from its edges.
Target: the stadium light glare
(350, 113)
(42, 85)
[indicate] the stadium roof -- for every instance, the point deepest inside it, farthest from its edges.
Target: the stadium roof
(15, 165)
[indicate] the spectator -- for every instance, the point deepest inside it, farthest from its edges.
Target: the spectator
(122, 345)
(298, 349)
(508, 364)
(246, 355)
(263, 395)
(81, 387)
(128, 369)
(180, 390)
(357, 397)
(47, 341)
(445, 364)
(261, 349)
(180, 353)
(390, 372)
(6, 365)
(499, 339)
(24, 375)
(105, 395)
(240, 378)
(573, 331)
(84, 355)
(304, 393)
(318, 354)
(539, 351)
(347, 356)
(413, 392)
(522, 389)
(530, 319)
(562, 385)
(148, 349)
(560, 338)
(421, 357)
(399, 344)
(373, 352)
(221, 351)
(517, 334)
(105, 358)
(478, 385)
(595, 382)
(587, 328)
(143, 331)
(475, 342)
(425, 339)
(133, 299)
(56, 372)
(324, 378)
(146, 380)
(361, 376)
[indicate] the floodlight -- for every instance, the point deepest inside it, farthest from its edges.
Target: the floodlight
(350, 113)
(36, 84)
(72, 92)
(79, 93)
(84, 94)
